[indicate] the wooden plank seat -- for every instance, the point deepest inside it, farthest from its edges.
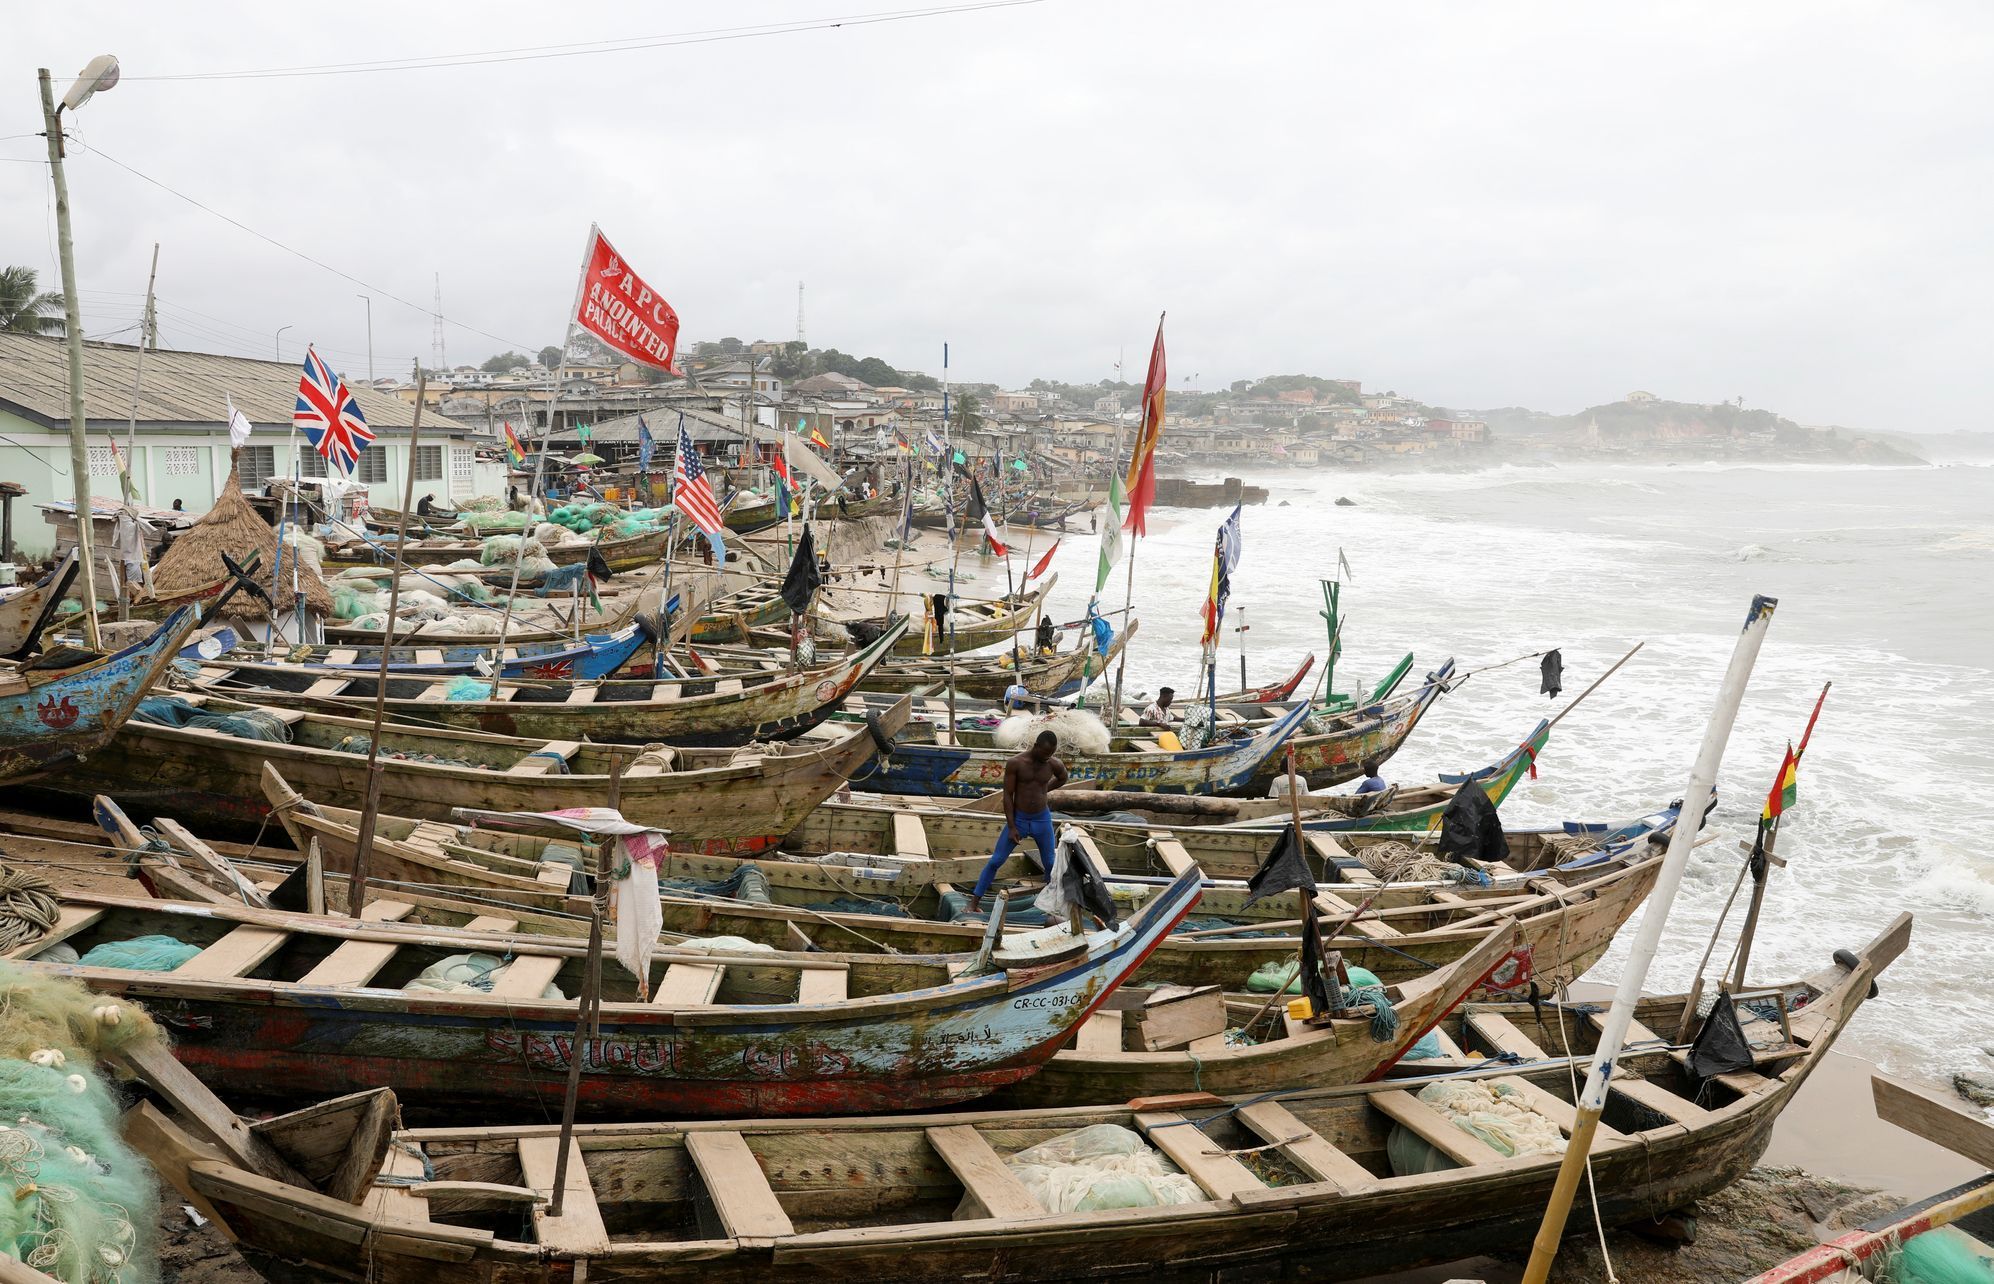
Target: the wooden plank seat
(397, 1202)
(579, 1229)
(1654, 1096)
(740, 1191)
(690, 984)
(1434, 1128)
(1274, 1123)
(910, 837)
(822, 984)
(341, 655)
(526, 976)
(583, 695)
(1202, 1159)
(428, 655)
(727, 686)
(355, 963)
(326, 687)
(991, 1187)
(1339, 909)
(1171, 852)
(235, 954)
(1500, 1034)
(550, 759)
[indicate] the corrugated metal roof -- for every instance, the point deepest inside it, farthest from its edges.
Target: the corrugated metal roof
(704, 425)
(178, 387)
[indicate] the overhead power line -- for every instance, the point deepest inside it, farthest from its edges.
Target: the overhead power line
(590, 48)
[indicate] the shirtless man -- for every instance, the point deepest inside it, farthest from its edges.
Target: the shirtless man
(1028, 778)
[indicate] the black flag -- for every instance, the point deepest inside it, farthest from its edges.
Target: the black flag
(803, 579)
(1470, 828)
(1316, 982)
(1080, 884)
(1284, 870)
(1554, 673)
(1721, 1046)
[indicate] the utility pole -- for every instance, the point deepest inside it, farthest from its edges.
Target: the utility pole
(370, 334)
(436, 330)
(148, 338)
(103, 73)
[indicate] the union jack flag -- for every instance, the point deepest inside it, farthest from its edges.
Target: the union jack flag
(329, 414)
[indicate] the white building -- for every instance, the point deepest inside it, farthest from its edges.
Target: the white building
(180, 445)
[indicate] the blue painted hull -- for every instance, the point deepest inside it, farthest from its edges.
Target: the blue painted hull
(50, 718)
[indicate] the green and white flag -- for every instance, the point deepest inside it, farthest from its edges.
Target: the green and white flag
(1111, 533)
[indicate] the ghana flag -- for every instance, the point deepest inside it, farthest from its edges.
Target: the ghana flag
(1786, 785)
(515, 453)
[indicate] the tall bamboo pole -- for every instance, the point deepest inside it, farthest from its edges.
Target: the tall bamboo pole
(533, 490)
(1696, 803)
(72, 312)
(363, 844)
(588, 1009)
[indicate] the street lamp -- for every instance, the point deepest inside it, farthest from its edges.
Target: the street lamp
(370, 334)
(99, 75)
(280, 341)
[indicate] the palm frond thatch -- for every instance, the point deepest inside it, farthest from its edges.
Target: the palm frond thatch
(194, 561)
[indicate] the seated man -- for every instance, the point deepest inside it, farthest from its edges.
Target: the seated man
(1028, 779)
(1158, 713)
(1373, 782)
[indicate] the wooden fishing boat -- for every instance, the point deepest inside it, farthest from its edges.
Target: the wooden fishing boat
(1304, 1179)
(1868, 1252)
(736, 616)
(964, 762)
(280, 1004)
(730, 709)
(618, 611)
(699, 795)
(597, 655)
(988, 623)
(26, 613)
(627, 554)
(746, 517)
(67, 704)
(988, 677)
(1400, 930)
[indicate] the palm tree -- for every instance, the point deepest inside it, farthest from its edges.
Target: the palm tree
(968, 416)
(22, 311)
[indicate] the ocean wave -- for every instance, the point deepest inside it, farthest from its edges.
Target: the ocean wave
(1957, 886)
(1976, 539)
(1753, 553)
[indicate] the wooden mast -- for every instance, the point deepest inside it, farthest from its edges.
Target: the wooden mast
(1695, 804)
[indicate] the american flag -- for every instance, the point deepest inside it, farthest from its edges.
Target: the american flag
(330, 414)
(690, 489)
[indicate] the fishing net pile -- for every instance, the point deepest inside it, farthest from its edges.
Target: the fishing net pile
(1572, 846)
(1491, 1112)
(1077, 731)
(75, 1202)
(246, 724)
(467, 974)
(1396, 860)
(1942, 1255)
(1100, 1166)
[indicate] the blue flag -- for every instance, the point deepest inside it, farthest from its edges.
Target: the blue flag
(644, 444)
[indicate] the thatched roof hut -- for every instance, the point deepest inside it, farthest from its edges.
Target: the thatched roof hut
(193, 562)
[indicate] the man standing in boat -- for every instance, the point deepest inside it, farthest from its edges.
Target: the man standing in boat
(1028, 778)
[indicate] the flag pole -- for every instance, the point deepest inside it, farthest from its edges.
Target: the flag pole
(1128, 594)
(532, 493)
(1695, 805)
(363, 840)
(1762, 867)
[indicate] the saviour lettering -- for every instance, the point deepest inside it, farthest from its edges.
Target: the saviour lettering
(617, 307)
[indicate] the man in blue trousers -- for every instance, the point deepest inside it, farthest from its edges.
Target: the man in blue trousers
(1028, 778)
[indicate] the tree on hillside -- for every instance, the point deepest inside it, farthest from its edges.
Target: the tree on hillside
(550, 356)
(968, 416)
(22, 310)
(505, 361)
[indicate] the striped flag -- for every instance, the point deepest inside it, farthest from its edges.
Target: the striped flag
(1225, 557)
(1786, 785)
(693, 494)
(785, 489)
(515, 451)
(979, 509)
(1111, 534)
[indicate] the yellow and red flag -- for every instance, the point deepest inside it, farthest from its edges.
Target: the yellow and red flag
(1786, 785)
(1141, 483)
(817, 440)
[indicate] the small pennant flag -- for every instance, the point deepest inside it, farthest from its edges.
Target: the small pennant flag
(1038, 568)
(238, 424)
(785, 489)
(817, 440)
(1111, 534)
(645, 444)
(979, 509)
(1786, 785)
(934, 443)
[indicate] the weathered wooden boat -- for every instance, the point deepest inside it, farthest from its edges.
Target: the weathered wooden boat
(281, 1004)
(735, 617)
(597, 655)
(1871, 1252)
(618, 611)
(976, 625)
(1568, 909)
(1304, 1179)
(26, 613)
(628, 554)
(730, 709)
(988, 677)
(700, 795)
(67, 704)
(965, 762)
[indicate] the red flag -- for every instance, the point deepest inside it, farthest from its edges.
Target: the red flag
(1038, 569)
(613, 304)
(1141, 482)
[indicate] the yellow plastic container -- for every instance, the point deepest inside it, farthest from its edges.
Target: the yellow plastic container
(1169, 740)
(1300, 1009)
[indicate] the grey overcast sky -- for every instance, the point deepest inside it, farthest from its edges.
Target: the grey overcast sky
(1478, 204)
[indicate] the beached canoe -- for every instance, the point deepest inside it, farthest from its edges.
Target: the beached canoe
(597, 655)
(67, 704)
(703, 796)
(288, 1005)
(627, 554)
(1928, 1240)
(27, 612)
(1303, 1182)
(1568, 909)
(966, 762)
(988, 677)
(728, 709)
